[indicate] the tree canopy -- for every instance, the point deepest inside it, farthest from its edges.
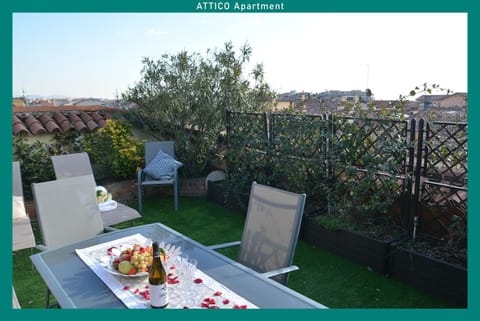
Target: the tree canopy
(185, 97)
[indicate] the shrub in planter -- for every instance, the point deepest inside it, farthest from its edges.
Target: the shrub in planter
(340, 236)
(426, 265)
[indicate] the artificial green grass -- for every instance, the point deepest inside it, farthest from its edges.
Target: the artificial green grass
(331, 280)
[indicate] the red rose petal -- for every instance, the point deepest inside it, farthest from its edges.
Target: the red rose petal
(109, 250)
(236, 306)
(198, 281)
(218, 293)
(146, 295)
(204, 305)
(126, 287)
(226, 301)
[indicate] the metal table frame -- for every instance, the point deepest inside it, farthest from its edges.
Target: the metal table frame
(75, 285)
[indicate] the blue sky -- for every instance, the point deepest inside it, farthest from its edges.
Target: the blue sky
(99, 55)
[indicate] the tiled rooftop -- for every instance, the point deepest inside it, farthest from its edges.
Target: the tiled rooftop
(50, 120)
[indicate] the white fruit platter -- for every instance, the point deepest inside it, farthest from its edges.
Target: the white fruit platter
(135, 260)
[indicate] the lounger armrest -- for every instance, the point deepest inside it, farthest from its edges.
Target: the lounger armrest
(284, 270)
(224, 245)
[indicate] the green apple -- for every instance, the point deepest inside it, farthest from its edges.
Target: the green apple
(124, 267)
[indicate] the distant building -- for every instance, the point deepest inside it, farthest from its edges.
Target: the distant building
(18, 102)
(350, 95)
(63, 101)
(289, 100)
(456, 100)
(332, 100)
(92, 102)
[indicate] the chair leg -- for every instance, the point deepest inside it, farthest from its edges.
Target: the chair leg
(139, 196)
(175, 196)
(48, 300)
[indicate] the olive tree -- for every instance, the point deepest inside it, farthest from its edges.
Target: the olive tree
(185, 97)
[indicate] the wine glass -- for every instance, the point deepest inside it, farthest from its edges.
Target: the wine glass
(173, 268)
(187, 294)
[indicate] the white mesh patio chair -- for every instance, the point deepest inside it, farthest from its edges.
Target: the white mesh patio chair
(270, 232)
(145, 180)
(78, 164)
(67, 212)
(22, 232)
(15, 303)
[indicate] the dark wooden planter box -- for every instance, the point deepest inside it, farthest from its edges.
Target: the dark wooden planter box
(216, 192)
(429, 274)
(361, 249)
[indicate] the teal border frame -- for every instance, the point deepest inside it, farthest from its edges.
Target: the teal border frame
(472, 7)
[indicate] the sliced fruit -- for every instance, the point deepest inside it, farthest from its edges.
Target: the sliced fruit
(125, 267)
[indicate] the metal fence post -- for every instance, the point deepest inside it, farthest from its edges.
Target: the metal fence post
(417, 173)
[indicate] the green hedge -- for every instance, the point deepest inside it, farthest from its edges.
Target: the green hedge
(114, 154)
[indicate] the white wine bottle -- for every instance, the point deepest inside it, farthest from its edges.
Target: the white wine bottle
(157, 280)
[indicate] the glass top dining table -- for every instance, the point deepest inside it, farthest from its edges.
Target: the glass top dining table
(75, 285)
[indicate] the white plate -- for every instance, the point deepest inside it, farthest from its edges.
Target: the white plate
(111, 270)
(107, 261)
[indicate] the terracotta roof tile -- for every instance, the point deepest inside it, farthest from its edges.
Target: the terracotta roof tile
(98, 119)
(91, 124)
(77, 122)
(63, 121)
(49, 123)
(36, 122)
(18, 127)
(34, 125)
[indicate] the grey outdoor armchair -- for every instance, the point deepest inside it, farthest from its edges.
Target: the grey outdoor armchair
(22, 232)
(78, 164)
(166, 175)
(271, 231)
